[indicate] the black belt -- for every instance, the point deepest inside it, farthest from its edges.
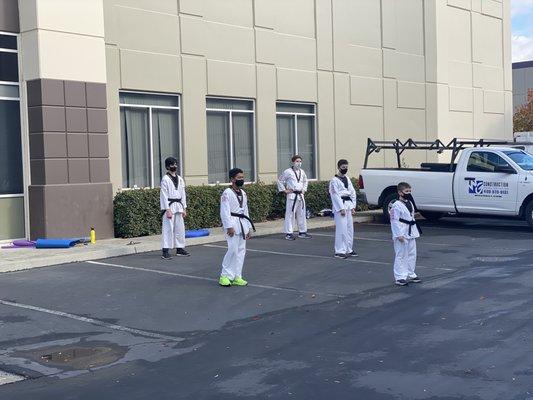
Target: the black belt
(241, 217)
(297, 193)
(411, 223)
(346, 198)
(172, 201)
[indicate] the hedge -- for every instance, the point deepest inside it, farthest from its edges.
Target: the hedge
(137, 213)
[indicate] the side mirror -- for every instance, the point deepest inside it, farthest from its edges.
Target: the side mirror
(505, 169)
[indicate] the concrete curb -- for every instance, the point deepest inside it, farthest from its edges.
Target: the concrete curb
(23, 259)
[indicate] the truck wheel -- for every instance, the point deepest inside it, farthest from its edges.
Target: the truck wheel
(432, 215)
(529, 214)
(390, 198)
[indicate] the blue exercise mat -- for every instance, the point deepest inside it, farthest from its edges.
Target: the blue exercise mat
(55, 243)
(196, 233)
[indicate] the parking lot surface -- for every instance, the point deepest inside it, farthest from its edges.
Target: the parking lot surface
(308, 326)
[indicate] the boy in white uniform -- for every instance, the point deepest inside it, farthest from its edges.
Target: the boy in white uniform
(344, 200)
(404, 233)
(173, 203)
(237, 224)
(293, 181)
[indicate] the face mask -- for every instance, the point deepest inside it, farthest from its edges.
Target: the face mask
(298, 164)
(343, 170)
(239, 182)
(173, 168)
(408, 196)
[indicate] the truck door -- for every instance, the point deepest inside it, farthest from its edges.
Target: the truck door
(486, 184)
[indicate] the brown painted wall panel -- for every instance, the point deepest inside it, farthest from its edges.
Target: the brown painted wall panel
(71, 210)
(76, 119)
(46, 92)
(78, 170)
(75, 94)
(99, 170)
(97, 120)
(48, 145)
(78, 145)
(96, 95)
(98, 146)
(49, 172)
(9, 16)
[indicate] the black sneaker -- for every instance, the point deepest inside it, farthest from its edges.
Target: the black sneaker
(340, 255)
(304, 235)
(401, 282)
(353, 254)
(166, 256)
(182, 253)
(416, 279)
(290, 236)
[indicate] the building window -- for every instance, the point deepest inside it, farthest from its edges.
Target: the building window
(150, 125)
(230, 138)
(11, 174)
(296, 124)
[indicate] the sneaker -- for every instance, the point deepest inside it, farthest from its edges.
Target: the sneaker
(166, 256)
(182, 252)
(414, 279)
(239, 282)
(304, 235)
(353, 254)
(401, 282)
(340, 255)
(290, 236)
(224, 281)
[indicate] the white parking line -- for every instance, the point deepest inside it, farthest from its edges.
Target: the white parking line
(91, 321)
(356, 260)
(382, 240)
(203, 278)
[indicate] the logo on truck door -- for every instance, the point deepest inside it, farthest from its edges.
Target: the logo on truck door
(480, 188)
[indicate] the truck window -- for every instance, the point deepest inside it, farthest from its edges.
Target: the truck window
(484, 161)
(523, 159)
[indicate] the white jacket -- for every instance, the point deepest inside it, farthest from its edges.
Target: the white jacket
(169, 191)
(397, 211)
(229, 203)
(337, 191)
(293, 179)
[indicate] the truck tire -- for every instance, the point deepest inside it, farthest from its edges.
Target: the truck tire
(432, 215)
(388, 199)
(529, 214)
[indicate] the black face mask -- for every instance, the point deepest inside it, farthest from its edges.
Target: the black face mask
(239, 183)
(173, 168)
(343, 171)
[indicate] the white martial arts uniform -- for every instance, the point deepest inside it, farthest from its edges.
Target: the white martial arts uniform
(234, 258)
(170, 197)
(343, 198)
(296, 180)
(405, 260)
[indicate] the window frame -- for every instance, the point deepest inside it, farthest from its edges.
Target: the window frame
(295, 115)
(6, 98)
(231, 138)
(150, 130)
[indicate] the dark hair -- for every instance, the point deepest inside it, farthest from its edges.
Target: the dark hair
(341, 161)
(170, 161)
(403, 185)
(295, 157)
(234, 171)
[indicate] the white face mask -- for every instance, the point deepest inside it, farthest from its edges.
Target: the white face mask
(298, 164)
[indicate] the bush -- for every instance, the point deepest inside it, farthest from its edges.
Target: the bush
(137, 213)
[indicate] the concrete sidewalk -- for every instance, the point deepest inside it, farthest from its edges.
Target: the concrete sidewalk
(26, 258)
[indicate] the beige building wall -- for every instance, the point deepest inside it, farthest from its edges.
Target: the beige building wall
(383, 69)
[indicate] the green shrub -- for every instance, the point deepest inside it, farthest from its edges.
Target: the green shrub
(137, 213)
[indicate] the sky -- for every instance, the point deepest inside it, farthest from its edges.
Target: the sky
(522, 29)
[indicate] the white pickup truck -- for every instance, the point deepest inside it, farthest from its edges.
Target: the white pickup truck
(490, 178)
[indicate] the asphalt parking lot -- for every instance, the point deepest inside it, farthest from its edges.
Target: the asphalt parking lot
(308, 326)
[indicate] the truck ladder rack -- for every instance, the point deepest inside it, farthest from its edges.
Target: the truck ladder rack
(455, 146)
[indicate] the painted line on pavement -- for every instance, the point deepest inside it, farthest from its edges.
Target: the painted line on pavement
(382, 240)
(352, 259)
(91, 321)
(203, 278)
